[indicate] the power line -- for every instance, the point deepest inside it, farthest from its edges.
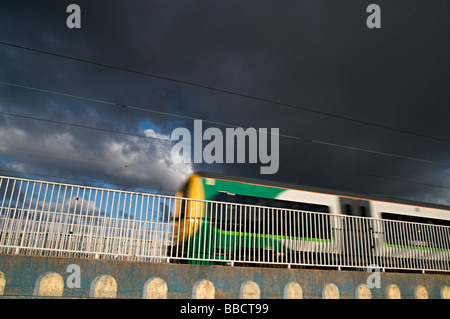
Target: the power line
(381, 153)
(248, 96)
(292, 161)
(192, 118)
(189, 118)
(373, 175)
(133, 166)
(165, 140)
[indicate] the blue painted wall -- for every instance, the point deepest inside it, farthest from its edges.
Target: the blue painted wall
(22, 272)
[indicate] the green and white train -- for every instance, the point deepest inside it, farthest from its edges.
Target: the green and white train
(224, 218)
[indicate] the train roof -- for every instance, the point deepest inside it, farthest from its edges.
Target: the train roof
(320, 190)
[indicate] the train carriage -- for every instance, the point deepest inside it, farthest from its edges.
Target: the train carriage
(232, 219)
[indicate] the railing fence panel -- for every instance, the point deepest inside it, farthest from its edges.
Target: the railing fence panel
(55, 219)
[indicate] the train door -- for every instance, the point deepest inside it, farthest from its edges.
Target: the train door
(358, 241)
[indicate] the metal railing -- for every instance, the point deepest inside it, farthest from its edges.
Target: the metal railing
(54, 219)
(235, 233)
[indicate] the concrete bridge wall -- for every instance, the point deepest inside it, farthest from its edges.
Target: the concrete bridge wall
(31, 276)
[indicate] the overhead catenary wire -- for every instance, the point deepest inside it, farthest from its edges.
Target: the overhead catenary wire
(291, 161)
(168, 140)
(190, 118)
(227, 124)
(225, 91)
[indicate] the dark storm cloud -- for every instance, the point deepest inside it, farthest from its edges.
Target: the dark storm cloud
(318, 55)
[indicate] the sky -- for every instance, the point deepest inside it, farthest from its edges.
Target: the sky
(358, 109)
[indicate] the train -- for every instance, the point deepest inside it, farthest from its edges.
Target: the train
(230, 218)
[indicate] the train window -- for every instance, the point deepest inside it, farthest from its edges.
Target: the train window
(355, 207)
(269, 202)
(415, 219)
(224, 197)
(348, 209)
(363, 211)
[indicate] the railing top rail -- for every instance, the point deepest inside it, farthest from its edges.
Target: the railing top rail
(82, 186)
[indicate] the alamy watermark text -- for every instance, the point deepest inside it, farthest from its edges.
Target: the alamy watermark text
(239, 145)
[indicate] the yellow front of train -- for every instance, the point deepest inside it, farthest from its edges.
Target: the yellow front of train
(189, 208)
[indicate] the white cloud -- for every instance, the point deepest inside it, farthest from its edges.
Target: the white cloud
(152, 134)
(112, 158)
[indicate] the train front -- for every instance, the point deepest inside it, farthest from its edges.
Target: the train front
(188, 214)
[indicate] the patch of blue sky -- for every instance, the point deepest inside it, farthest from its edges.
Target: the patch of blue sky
(147, 125)
(5, 160)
